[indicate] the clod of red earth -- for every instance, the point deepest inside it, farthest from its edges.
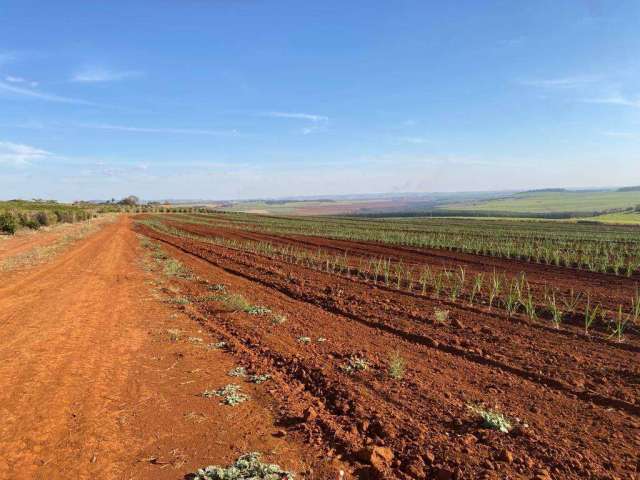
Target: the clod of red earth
(505, 456)
(457, 323)
(310, 414)
(444, 474)
(380, 459)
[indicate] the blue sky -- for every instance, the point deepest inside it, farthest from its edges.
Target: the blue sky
(246, 98)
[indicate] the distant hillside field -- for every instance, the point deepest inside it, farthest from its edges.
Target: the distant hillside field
(554, 202)
(621, 218)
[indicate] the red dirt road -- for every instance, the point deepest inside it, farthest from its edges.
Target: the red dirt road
(91, 387)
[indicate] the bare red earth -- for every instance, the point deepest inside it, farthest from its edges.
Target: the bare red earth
(574, 400)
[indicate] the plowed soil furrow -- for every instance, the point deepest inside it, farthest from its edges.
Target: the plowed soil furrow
(594, 371)
(346, 325)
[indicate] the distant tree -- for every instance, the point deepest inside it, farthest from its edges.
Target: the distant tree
(131, 200)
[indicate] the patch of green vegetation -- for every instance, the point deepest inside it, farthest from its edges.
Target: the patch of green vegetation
(174, 268)
(397, 366)
(492, 419)
(230, 394)
(258, 310)
(553, 202)
(278, 319)
(355, 364)
(16, 214)
(246, 467)
(259, 378)
(178, 301)
(237, 372)
(620, 218)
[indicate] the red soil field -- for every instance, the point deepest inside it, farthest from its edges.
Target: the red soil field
(574, 400)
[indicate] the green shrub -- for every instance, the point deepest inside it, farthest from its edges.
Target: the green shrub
(8, 223)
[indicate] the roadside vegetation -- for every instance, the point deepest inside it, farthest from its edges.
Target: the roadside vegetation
(18, 214)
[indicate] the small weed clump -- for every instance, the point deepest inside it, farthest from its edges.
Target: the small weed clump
(178, 301)
(397, 366)
(278, 319)
(305, 340)
(257, 310)
(173, 268)
(236, 302)
(174, 334)
(246, 467)
(230, 394)
(217, 346)
(355, 365)
(441, 316)
(492, 419)
(258, 379)
(237, 372)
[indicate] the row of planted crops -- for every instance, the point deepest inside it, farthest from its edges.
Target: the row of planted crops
(513, 296)
(597, 248)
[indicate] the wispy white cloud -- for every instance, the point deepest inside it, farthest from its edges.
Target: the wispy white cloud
(39, 95)
(299, 116)
(20, 154)
(616, 99)
(100, 74)
(563, 82)
(12, 79)
(178, 131)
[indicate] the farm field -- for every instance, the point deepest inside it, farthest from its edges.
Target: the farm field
(456, 363)
(554, 202)
(326, 344)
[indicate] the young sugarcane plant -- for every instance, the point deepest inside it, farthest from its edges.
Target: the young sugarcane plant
(496, 286)
(425, 277)
(571, 301)
(635, 307)
(554, 309)
(590, 314)
(511, 300)
(619, 325)
(438, 280)
(529, 305)
(476, 288)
